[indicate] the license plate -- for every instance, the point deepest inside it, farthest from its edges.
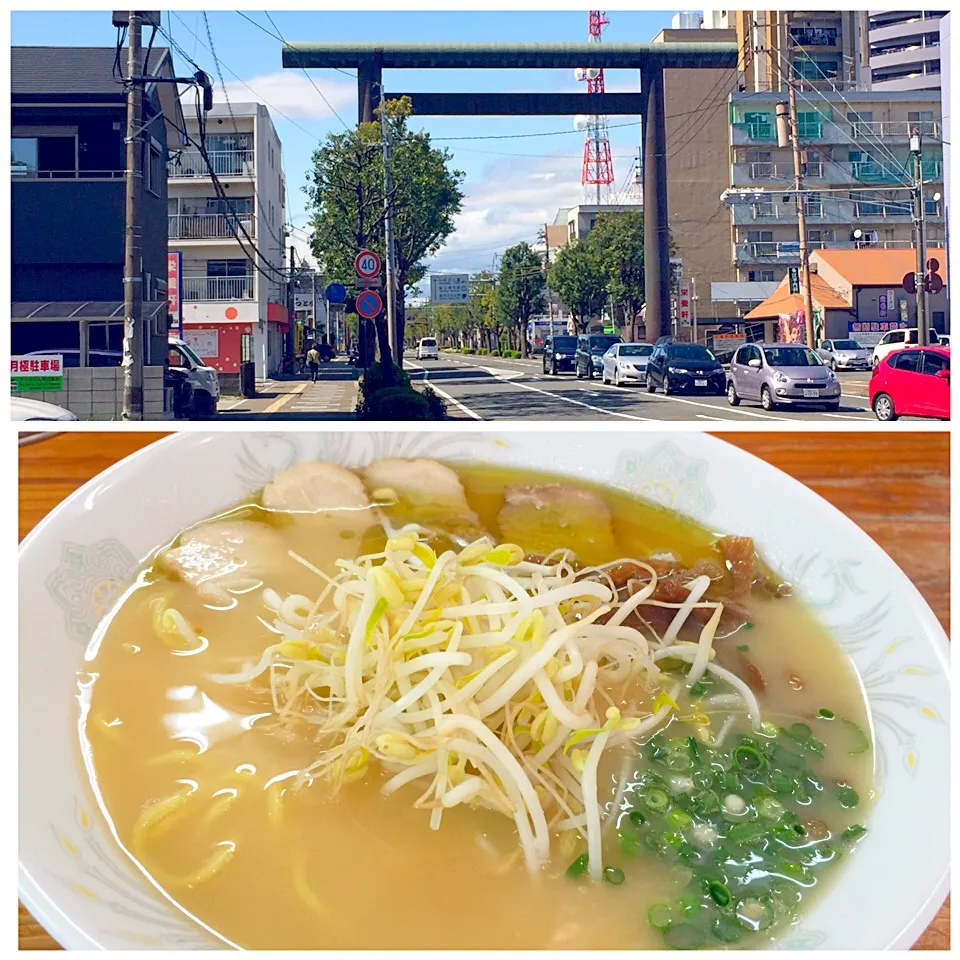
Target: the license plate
(811, 394)
(699, 383)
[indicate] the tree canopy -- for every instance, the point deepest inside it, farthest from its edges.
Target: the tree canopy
(577, 277)
(346, 191)
(521, 290)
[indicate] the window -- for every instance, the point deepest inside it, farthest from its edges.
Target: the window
(759, 236)
(932, 207)
(920, 116)
(155, 174)
(809, 125)
(763, 276)
(908, 361)
(228, 268)
(813, 205)
(933, 363)
(49, 155)
(758, 126)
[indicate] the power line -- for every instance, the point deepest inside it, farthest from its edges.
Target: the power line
(276, 36)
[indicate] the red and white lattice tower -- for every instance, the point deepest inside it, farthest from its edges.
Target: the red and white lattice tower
(597, 162)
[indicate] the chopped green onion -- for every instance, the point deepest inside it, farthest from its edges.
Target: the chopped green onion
(749, 758)
(779, 782)
(743, 647)
(698, 690)
(637, 818)
(770, 809)
(800, 731)
(613, 875)
(579, 866)
(718, 893)
(862, 741)
(659, 916)
(848, 797)
(826, 714)
(655, 800)
(630, 846)
(745, 833)
(748, 625)
(693, 747)
(677, 818)
(684, 936)
(768, 729)
(705, 801)
(754, 914)
(690, 907)
(725, 929)
(854, 832)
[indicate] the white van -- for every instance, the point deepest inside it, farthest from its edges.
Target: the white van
(897, 339)
(427, 349)
(203, 378)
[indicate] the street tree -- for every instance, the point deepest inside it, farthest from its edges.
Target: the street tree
(346, 191)
(617, 242)
(578, 278)
(521, 291)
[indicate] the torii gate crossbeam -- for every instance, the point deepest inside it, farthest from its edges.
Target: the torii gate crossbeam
(650, 59)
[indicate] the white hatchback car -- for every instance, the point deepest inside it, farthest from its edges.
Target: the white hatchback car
(898, 339)
(427, 349)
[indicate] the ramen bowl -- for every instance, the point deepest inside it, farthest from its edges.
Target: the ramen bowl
(75, 566)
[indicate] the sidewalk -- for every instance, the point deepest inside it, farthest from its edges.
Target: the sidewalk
(332, 397)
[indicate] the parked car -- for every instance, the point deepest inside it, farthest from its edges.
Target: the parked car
(590, 350)
(898, 339)
(844, 355)
(23, 409)
(913, 382)
(944, 339)
(684, 367)
(626, 363)
(427, 349)
(789, 374)
(559, 353)
(204, 383)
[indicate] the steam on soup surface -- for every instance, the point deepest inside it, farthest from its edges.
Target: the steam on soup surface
(424, 706)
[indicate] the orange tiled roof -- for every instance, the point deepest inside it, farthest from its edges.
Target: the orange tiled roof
(877, 267)
(782, 301)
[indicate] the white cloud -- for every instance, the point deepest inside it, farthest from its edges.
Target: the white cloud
(509, 203)
(294, 94)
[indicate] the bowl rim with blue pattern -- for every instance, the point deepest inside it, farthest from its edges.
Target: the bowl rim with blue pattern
(75, 564)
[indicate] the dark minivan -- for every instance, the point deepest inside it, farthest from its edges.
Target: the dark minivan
(559, 353)
(685, 367)
(590, 350)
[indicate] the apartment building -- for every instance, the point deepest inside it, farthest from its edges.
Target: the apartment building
(905, 49)
(856, 147)
(232, 241)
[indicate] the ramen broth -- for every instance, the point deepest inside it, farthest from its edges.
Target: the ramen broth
(307, 869)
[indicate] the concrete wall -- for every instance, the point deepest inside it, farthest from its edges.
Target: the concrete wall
(698, 165)
(96, 393)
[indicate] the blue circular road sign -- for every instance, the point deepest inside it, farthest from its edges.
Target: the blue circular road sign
(335, 293)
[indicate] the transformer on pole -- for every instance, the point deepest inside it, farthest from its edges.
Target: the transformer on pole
(597, 162)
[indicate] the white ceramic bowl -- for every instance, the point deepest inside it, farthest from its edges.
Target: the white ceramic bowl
(75, 564)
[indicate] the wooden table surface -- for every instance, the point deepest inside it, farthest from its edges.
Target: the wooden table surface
(893, 485)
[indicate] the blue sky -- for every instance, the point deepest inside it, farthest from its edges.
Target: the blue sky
(513, 185)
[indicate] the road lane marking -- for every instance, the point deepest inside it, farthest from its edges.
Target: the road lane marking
(697, 403)
(579, 403)
(703, 416)
(284, 399)
(847, 416)
(443, 393)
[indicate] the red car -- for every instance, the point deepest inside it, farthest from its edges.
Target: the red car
(914, 382)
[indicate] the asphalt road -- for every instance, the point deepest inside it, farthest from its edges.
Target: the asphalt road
(490, 388)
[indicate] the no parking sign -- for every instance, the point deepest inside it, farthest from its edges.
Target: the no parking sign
(369, 304)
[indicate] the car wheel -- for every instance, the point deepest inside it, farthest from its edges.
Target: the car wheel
(650, 384)
(766, 399)
(604, 379)
(883, 407)
(616, 378)
(833, 365)
(667, 389)
(732, 397)
(553, 369)
(876, 361)
(579, 374)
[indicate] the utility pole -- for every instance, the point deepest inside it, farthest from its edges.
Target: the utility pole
(396, 349)
(132, 256)
(919, 226)
(785, 111)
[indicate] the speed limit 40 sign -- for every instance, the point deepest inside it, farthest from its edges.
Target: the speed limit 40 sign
(367, 265)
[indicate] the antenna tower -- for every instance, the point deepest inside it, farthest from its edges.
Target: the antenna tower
(597, 162)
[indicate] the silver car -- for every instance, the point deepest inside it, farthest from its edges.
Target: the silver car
(626, 363)
(788, 374)
(844, 355)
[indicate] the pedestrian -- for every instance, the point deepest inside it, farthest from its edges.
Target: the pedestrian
(313, 361)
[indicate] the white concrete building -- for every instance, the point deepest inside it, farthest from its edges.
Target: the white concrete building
(232, 311)
(905, 49)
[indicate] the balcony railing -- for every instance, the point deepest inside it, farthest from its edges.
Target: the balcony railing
(217, 288)
(766, 170)
(861, 129)
(225, 163)
(814, 36)
(22, 172)
(767, 251)
(209, 226)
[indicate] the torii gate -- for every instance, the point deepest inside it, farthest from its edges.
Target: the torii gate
(650, 59)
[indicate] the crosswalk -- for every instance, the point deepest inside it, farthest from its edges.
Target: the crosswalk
(324, 397)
